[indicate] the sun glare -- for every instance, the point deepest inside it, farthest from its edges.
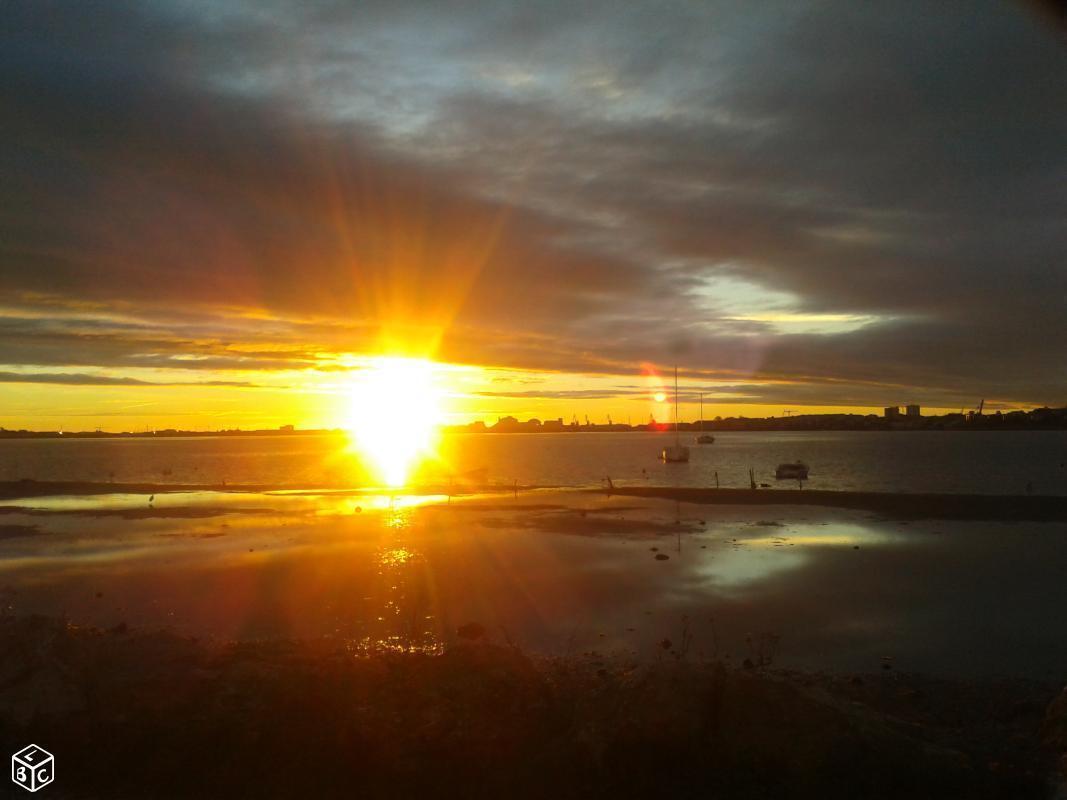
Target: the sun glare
(396, 409)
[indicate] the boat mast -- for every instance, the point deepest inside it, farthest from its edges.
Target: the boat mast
(677, 439)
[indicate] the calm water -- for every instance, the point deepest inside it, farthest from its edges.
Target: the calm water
(555, 572)
(934, 461)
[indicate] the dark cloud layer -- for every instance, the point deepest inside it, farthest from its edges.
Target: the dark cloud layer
(851, 196)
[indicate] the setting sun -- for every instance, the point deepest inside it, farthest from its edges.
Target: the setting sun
(395, 410)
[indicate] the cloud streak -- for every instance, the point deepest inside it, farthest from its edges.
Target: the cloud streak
(84, 379)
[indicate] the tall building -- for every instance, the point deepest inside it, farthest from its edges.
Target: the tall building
(892, 412)
(913, 410)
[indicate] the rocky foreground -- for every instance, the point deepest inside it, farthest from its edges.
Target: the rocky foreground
(151, 714)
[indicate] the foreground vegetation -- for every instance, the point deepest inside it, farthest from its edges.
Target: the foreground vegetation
(152, 714)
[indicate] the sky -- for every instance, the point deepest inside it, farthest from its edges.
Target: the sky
(215, 214)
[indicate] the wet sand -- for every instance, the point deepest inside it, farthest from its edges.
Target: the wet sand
(133, 713)
(556, 572)
(1018, 508)
(1021, 508)
(539, 643)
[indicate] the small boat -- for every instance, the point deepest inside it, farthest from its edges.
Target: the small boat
(676, 453)
(704, 438)
(797, 471)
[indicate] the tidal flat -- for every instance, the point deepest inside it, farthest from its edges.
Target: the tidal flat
(540, 641)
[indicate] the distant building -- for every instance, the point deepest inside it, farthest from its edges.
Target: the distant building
(913, 410)
(552, 424)
(287, 428)
(892, 412)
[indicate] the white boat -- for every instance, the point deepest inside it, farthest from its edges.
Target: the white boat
(797, 471)
(703, 438)
(676, 453)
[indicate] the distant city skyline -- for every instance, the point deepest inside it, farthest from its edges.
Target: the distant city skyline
(1043, 418)
(474, 395)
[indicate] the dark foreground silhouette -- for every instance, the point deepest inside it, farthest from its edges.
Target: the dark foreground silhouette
(142, 714)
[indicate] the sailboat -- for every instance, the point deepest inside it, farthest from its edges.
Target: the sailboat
(677, 452)
(703, 438)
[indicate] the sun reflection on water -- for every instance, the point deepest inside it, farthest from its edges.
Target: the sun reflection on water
(334, 505)
(402, 624)
(396, 556)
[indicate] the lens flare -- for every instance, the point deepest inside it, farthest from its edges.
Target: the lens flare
(396, 409)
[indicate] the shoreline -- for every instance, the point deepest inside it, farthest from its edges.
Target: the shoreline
(13, 490)
(988, 507)
(1042, 420)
